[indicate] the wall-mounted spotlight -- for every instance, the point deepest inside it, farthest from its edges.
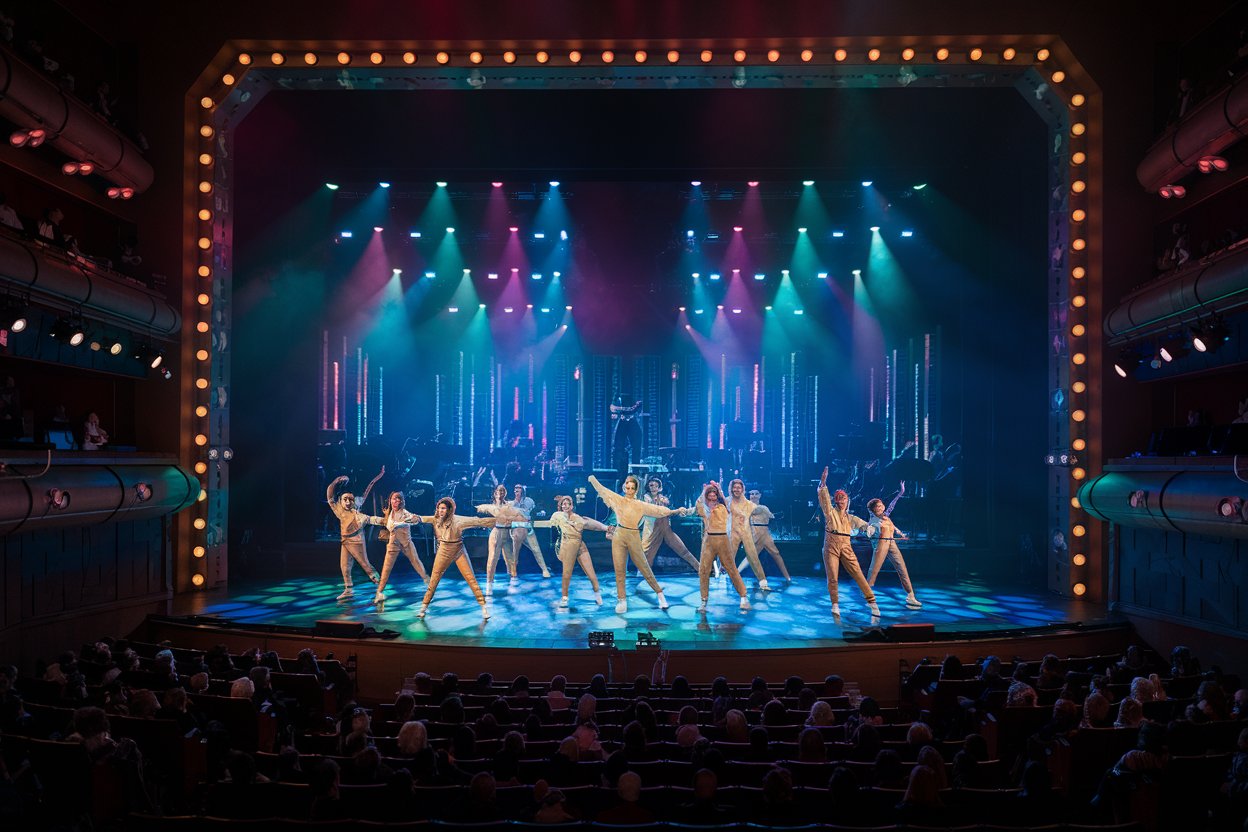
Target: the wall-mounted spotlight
(149, 355)
(69, 331)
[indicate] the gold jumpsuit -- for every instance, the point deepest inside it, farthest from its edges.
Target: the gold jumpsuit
(886, 547)
(739, 534)
(572, 549)
(352, 531)
(658, 530)
(522, 535)
(715, 548)
(500, 537)
(626, 542)
(837, 551)
(399, 526)
(760, 522)
(451, 550)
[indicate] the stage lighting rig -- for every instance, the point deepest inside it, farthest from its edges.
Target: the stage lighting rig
(601, 639)
(647, 639)
(70, 331)
(149, 355)
(1210, 335)
(1127, 361)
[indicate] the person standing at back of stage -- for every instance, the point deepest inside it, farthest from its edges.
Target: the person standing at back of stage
(887, 534)
(658, 530)
(626, 541)
(352, 522)
(522, 532)
(760, 528)
(837, 551)
(739, 533)
(398, 524)
(625, 433)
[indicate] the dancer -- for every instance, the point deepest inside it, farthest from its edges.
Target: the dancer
(760, 521)
(886, 547)
(448, 528)
(626, 541)
(658, 530)
(739, 534)
(500, 538)
(715, 546)
(837, 551)
(352, 534)
(522, 533)
(572, 548)
(398, 528)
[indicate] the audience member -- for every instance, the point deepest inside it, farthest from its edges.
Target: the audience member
(703, 810)
(628, 810)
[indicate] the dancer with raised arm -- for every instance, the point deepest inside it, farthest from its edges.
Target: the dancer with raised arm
(500, 538)
(740, 533)
(658, 530)
(398, 527)
(715, 547)
(626, 541)
(887, 534)
(522, 533)
(572, 549)
(448, 528)
(352, 522)
(760, 523)
(837, 551)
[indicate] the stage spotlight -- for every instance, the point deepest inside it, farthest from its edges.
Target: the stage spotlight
(496, 184)
(697, 183)
(799, 312)
(736, 310)
(568, 307)
(13, 317)
(1207, 337)
(760, 276)
(697, 311)
(536, 276)
(331, 186)
(346, 235)
(508, 309)
(554, 183)
(492, 276)
(539, 235)
(440, 184)
(907, 233)
(450, 229)
(738, 229)
(875, 228)
(513, 228)
(69, 331)
(866, 183)
(1172, 191)
(822, 275)
(148, 355)
(801, 230)
(431, 275)
(767, 308)
(681, 308)
(396, 271)
(1209, 164)
(838, 234)
(563, 235)
(378, 229)
(857, 272)
(714, 275)
(545, 309)
(920, 186)
(753, 183)
(1127, 361)
(115, 348)
(808, 182)
(415, 235)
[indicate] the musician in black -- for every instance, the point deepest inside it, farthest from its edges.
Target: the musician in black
(625, 434)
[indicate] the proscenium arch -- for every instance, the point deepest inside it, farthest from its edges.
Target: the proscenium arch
(1040, 67)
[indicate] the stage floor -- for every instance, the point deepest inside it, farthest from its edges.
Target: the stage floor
(525, 614)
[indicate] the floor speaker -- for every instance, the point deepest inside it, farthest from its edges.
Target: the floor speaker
(910, 632)
(338, 628)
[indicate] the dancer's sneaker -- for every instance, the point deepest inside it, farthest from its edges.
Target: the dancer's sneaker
(598, 598)
(702, 606)
(563, 602)
(912, 602)
(485, 612)
(874, 609)
(424, 608)
(374, 577)
(715, 567)
(662, 601)
(489, 588)
(745, 604)
(836, 610)
(347, 594)
(621, 607)
(545, 572)
(379, 599)
(764, 586)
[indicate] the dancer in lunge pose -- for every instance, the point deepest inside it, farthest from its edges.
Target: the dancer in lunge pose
(837, 551)
(500, 538)
(448, 528)
(626, 540)
(886, 547)
(740, 533)
(398, 527)
(658, 530)
(572, 549)
(715, 545)
(522, 533)
(760, 522)
(352, 522)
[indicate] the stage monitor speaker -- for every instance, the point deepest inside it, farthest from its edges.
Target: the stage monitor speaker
(338, 628)
(910, 632)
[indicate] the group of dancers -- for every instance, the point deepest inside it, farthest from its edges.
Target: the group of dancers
(641, 527)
